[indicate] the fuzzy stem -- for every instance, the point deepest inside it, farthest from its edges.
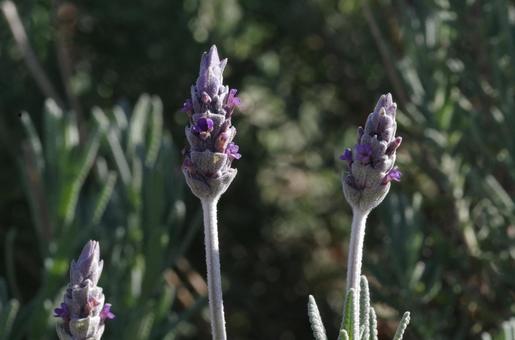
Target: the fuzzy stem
(214, 280)
(354, 262)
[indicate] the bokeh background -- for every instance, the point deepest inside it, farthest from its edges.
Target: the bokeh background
(104, 163)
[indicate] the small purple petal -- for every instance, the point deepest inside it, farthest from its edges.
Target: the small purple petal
(347, 155)
(106, 312)
(232, 101)
(393, 175)
(232, 151)
(62, 312)
(187, 107)
(203, 125)
(364, 153)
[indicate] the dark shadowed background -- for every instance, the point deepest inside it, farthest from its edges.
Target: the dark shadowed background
(107, 166)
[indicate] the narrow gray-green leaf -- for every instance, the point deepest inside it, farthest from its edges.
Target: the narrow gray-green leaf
(120, 118)
(165, 301)
(315, 320)
(34, 141)
(402, 326)
(348, 318)
(508, 328)
(364, 307)
(145, 326)
(344, 335)
(373, 324)
(104, 197)
(138, 125)
(72, 190)
(119, 156)
(155, 132)
(7, 316)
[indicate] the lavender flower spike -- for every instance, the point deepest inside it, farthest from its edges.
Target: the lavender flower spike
(83, 313)
(210, 151)
(207, 165)
(366, 183)
(371, 162)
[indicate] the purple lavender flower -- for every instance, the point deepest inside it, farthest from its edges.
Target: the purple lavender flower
(371, 162)
(62, 312)
(363, 153)
(232, 102)
(392, 175)
(83, 311)
(347, 155)
(232, 151)
(203, 124)
(106, 312)
(210, 151)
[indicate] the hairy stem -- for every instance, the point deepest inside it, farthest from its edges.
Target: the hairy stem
(354, 262)
(214, 280)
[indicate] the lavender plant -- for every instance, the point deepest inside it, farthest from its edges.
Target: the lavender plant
(370, 169)
(83, 313)
(207, 164)
(135, 206)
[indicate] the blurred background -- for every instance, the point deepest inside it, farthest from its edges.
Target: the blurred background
(102, 161)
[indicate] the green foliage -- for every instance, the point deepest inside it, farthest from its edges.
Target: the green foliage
(348, 315)
(449, 236)
(367, 317)
(137, 220)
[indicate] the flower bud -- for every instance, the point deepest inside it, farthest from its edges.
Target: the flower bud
(83, 312)
(210, 151)
(371, 161)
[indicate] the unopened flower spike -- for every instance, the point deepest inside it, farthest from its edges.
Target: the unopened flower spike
(370, 169)
(83, 313)
(371, 161)
(208, 158)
